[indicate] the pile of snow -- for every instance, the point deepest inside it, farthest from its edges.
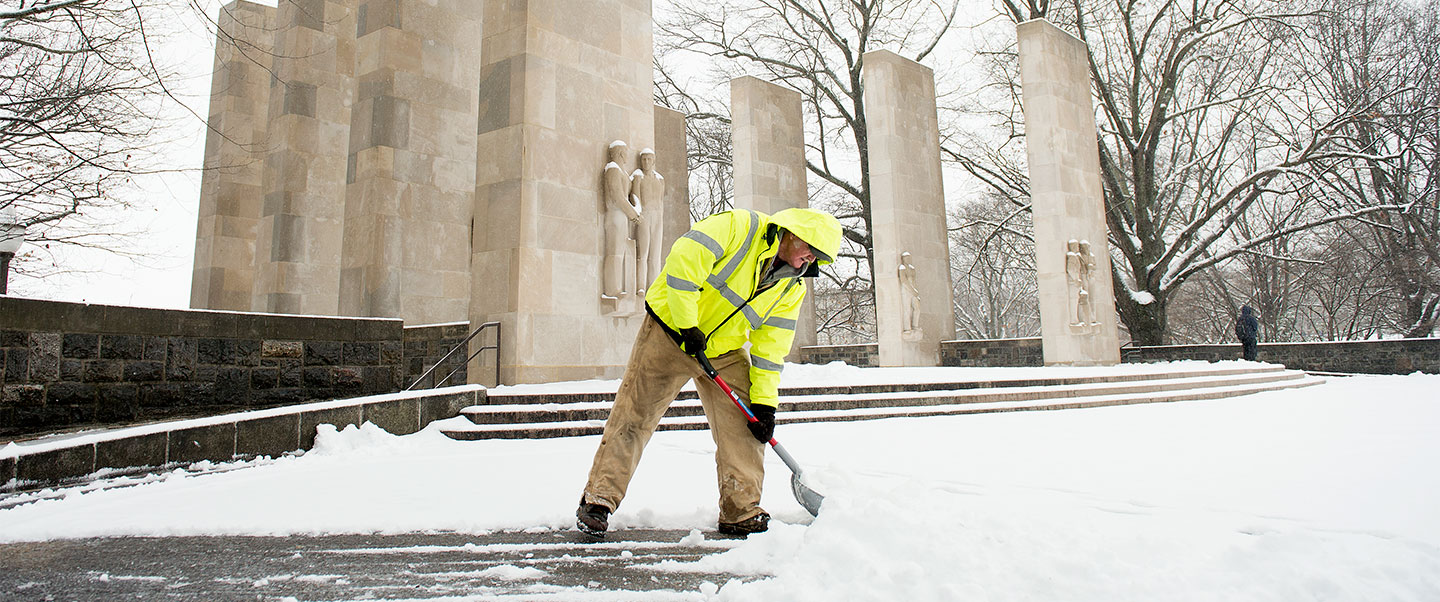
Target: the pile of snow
(1325, 493)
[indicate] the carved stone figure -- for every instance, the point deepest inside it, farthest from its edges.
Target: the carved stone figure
(1080, 272)
(619, 215)
(1087, 309)
(909, 295)
(647, 193)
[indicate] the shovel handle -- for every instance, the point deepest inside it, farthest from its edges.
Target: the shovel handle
(774, 444)
(735, 398)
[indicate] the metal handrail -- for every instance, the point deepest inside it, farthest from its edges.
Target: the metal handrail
(1129, 349)
(457, 347)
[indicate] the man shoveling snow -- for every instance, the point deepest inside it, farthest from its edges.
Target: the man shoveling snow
(734, 278)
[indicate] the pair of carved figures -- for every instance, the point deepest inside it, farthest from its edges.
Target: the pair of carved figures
(1080, 273)
(634, 215)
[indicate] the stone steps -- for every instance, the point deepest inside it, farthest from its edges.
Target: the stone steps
(528, 416)
(509, 396)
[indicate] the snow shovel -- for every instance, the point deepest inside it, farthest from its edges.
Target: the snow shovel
(807, 497)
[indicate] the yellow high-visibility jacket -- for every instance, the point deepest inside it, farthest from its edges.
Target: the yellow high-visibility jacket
(711, 278)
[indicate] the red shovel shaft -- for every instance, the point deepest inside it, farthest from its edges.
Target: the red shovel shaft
(807, 497)
(734, 398)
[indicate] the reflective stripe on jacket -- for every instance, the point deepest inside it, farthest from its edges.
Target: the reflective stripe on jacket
(710, 280)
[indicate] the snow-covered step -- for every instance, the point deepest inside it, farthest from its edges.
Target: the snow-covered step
(588, 418)
(517, 395)
(1052, 404)
(507, 413)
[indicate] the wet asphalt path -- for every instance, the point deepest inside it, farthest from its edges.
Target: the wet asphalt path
(354, 567)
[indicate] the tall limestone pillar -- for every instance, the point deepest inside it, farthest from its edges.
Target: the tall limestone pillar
(298, 241)
(411, 161)
(559, 82)
(768, 139)
(913, 307)
(1072, 259)
(230, 189)
(671, 161)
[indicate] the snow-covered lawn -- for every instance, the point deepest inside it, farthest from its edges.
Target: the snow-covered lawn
(1324, 493)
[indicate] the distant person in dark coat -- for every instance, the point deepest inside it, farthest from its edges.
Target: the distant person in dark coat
(1247, 329)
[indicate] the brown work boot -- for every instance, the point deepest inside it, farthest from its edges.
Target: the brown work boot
(755, 524)
(593, 519)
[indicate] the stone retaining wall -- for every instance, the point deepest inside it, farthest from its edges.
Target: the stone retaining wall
(994, 352)
(64, 365)
(424, 345)
(1395, 356)
(1392, 356)
(223, 438)
(862, 354)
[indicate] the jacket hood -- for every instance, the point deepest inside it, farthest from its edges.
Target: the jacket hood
(1246, 310)
(817, 228)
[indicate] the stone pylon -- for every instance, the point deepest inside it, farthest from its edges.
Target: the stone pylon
(559, 82)
(671, 161)
(411, 162)
(235, 147)
(298, 241)
(1072, 259)
(768, 137)
(913, 308)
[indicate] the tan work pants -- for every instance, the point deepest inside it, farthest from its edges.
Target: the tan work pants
(656, 372)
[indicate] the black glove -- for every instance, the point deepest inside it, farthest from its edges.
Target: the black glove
(764, 426)
(693, 341)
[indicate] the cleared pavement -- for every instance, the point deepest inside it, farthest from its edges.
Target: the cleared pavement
(353, 567)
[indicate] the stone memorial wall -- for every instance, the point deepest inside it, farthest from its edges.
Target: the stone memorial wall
(1394, 356)
(64, 365)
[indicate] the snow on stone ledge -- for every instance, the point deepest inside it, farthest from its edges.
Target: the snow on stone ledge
(43, 444)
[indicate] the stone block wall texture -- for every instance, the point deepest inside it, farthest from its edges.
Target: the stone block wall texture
(1068, 203)
(768, 130)
(992, 353)
(1397, 356)
(410, 172)
(231, 194)
(70, 364)
(226, 438)
(908, 208)
(1394, 356)
(426, 345)
(768, 134)
(298, 241)
(429, 163)
(864, 355)
(672, 160)
(559, 81)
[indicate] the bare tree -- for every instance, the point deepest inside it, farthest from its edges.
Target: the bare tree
(845, 312)
(1381, 57)
(1207, 115)
(1343, 292)
(992, 267)
(75, 86)
(1200, 121)
(85, 98)
(1026, 10)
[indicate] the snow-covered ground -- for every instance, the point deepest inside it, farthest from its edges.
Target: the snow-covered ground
(1324, 493)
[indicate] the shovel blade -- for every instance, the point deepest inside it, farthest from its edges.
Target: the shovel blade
(808, 498)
